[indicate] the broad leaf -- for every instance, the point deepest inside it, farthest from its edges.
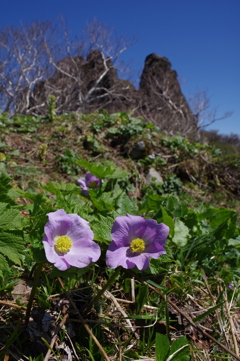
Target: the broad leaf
(102, 229)
(162, 346)
(181, 233)
(125, 205)
(106, 170)
(10, 246)
(179, 350)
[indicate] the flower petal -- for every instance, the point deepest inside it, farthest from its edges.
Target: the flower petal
(126, 228)
(82, 183)
(83, 253)
(151, 231)
(121, 256)
(162, 234)
(154, 248)
(92, 178)
(116, 256)
(57, 225)
(83, 249)
(79, 229)
(141, 261)
(53, 257)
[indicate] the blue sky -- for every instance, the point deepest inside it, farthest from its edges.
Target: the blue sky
(201, 38)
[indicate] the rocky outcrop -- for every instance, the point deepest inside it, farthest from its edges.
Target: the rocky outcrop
(161, 98)
(86, 85)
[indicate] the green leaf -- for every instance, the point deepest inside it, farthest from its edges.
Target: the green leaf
(4, 189)
(3, 206)
(200, 246)
(166, 219)
(127, 284)
(152, 203)
(37, 254)
(14, 152)
(181, 233)
(179, 350)
(162, 346)
(106, 170)
(125, 205)
(174, 206)
(141, 317)
(3, 170)
(117, 174)
(141, 297)
(234, 242)
(103, 201)
(72, 272)
(210, 310)
(217, 216)
(112, 131)
(10, 246)
(159, 265)
(10, 219)
(55, 187)
(102, 229)
(3, 265)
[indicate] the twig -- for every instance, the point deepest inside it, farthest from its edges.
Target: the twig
(214, 304)
(98, 322)
(103, 289)
(231, 324)
(226, 349)
(74, 351)
(84, 323)
(109, 295)
(133, 290)
(38, 271)
(10, 304)
(131, 302)
(54, 339)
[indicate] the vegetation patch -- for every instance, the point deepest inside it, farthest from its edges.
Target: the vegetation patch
(101, 262)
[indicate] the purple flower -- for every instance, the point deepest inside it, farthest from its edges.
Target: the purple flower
(230, 286)
(89, 182)
(134, 241)
(152, 156)
(68, 241)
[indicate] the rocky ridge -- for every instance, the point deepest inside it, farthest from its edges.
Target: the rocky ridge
(93, 84)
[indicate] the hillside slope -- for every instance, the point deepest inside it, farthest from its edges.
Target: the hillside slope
(149, 193)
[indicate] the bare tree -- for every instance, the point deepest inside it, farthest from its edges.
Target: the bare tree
(23, 62)
(41, 59)
(205, 116)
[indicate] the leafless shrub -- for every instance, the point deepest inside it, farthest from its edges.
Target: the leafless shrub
(41, 59)
(200, 104)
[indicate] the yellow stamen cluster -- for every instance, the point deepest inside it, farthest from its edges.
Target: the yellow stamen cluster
(137, 245)
(93, 184)
(63, 244)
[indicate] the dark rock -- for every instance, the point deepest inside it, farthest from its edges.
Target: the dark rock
(86, 85)
(138, 151)
(162, 101)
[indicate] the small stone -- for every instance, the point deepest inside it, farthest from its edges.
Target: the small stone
(138, 151)
(153, 176)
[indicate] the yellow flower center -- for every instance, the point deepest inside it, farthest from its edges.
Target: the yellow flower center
(63, 244)
(93, 184)
(137, 245)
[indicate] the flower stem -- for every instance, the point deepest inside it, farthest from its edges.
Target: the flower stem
(101, 292)
(38, 270)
